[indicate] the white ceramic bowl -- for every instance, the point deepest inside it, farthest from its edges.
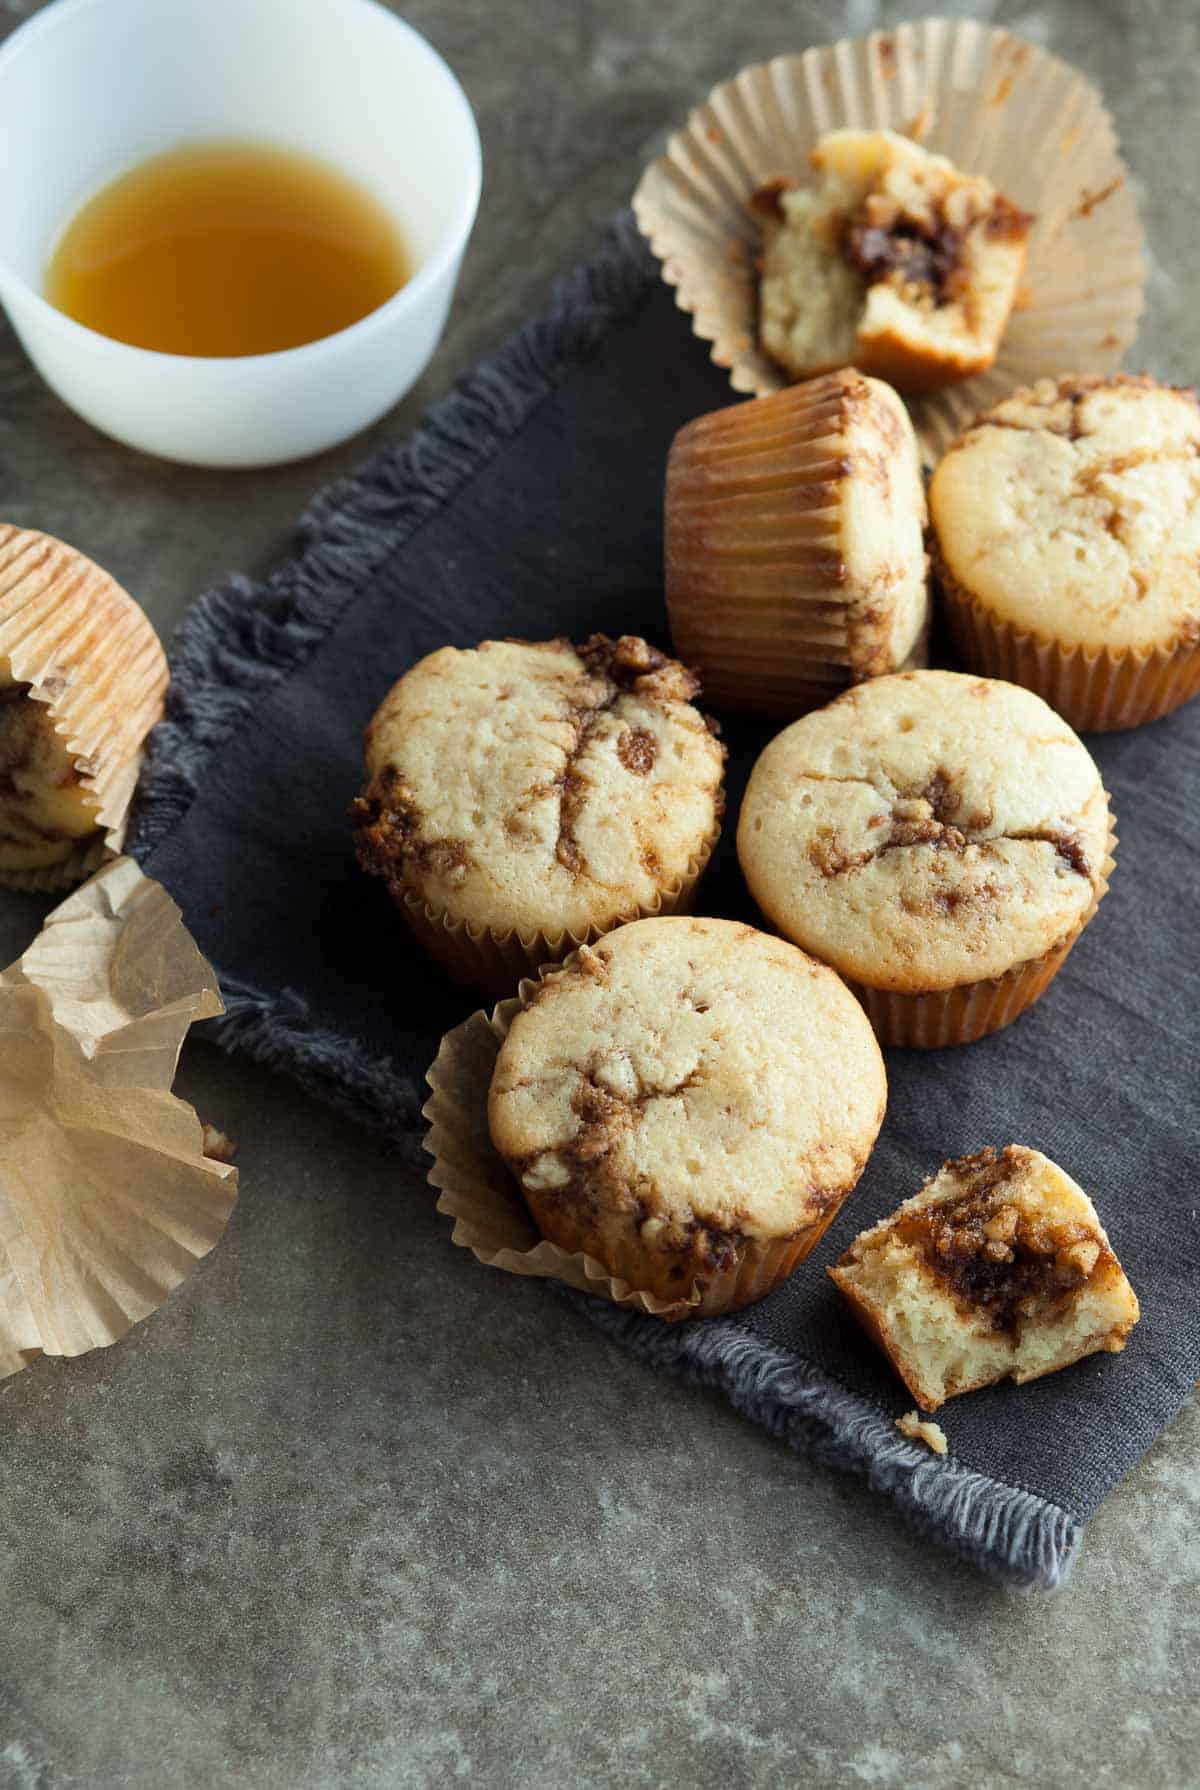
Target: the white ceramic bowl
(89, 88)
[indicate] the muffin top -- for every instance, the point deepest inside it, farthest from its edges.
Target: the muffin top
(539, 787)
(1072, 509)
(926, 830)
(686, 1074)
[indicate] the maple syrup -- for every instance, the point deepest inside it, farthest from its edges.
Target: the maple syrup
(227, 249)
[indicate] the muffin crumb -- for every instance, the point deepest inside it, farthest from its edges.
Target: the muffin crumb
(923, 1429)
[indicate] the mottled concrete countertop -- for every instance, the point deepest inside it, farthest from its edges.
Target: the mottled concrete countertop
(298, 1530)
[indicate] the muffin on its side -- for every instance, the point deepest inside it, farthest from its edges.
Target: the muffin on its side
(794, 544)
(894, 261)
(689, 1102)
(998, 1267)
(1067, 526)
(522, 797)
(82, 682)
(940, 839)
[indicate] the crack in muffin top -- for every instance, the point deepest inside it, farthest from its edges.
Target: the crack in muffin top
(540, 787)
(1073, 509)
(690, 1073)
(926, 830)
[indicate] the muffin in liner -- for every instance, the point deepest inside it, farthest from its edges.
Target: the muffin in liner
(1095, 691)
(973, 1010)
(991, 102)
(525, 797)
(110, 1191)
(495, 962)
(493, 1220)
(77, 643)
(794, 552)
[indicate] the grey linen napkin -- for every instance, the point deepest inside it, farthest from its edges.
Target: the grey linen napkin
(528, 503)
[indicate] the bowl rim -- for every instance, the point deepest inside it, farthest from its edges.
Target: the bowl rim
(429, 275)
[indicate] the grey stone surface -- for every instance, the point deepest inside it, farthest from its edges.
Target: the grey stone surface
(349, 1511)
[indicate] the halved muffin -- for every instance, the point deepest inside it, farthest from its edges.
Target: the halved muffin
(893, 260)
(998, 1267)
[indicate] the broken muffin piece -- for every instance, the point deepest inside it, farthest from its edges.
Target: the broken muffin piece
(893, 260)
(998, 1267)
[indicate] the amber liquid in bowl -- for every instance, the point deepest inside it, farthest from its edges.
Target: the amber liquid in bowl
(227, 249)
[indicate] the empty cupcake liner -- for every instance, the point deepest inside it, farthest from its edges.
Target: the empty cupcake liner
(495, 962)
(107, 1197)
(991, 102)
(756, 580)
(1100, 691)
(974, 1010)
(493, 1221)
(86, 650)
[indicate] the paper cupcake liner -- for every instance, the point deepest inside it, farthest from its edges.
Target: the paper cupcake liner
(492, 1219)
(90, 655)
(1094, 692)
(495, 962)
(995, 105)
(974, 1010)
(98, 1225)
(756, 585)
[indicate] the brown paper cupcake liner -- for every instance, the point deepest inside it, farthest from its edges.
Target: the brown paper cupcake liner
(974, 1010)
(756, 584)
(1094, 691)
(492, 1220)
(994, 104)
(90, 655)
(98, 1224)
(495, 962)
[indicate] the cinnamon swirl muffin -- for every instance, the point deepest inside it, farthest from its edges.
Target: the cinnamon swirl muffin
(1067, 527)
(940, 839)
(522, 797)
(689, 1102)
